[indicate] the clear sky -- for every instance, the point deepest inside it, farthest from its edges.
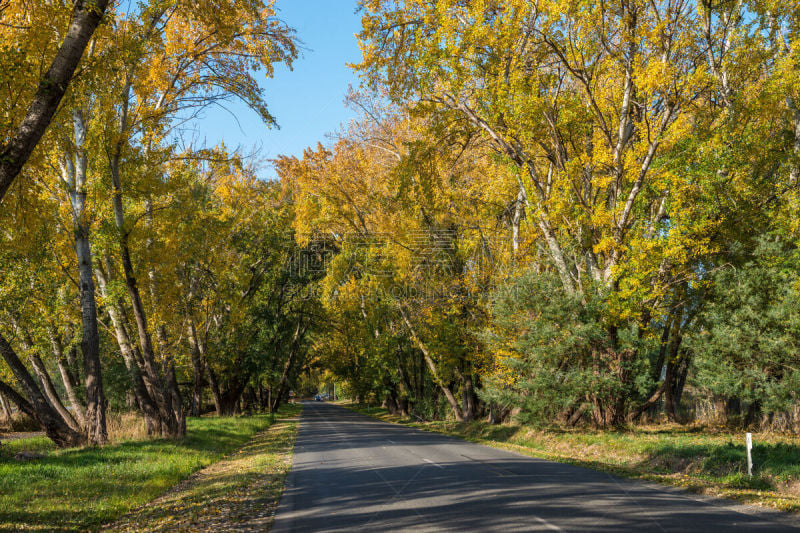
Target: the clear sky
(308, 101)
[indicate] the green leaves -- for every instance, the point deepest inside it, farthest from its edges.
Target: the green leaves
(749, 336)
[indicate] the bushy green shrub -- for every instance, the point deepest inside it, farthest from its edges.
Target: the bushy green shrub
(561, 352)
(747, 345)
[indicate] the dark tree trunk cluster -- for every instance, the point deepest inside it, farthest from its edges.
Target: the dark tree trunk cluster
(35, 403)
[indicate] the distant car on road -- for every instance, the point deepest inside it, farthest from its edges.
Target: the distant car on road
(318, 398)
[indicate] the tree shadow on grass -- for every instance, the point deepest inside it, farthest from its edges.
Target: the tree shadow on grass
(80, 488)
(244, 488)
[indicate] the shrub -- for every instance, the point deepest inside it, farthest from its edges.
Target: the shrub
(559, 356)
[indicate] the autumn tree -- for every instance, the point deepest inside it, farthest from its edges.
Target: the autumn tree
(20, 138)
(146, 71)
(598, 109)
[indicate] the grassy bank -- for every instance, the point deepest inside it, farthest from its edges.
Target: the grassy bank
(702, 459)
(238, 493)
(78, 489)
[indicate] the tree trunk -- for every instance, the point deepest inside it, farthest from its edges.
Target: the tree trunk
(23, 405)
(213, 383)
(43, 378)
(283, 385)
(517, 218)
(421, 377)
(197, 369)
(647, 404)
(497, 414)
(680, 380)
(469, 398)
(230, 400)
(131, 401)
(67, 379)
(670, 407)
(753, 414)
(161, 390)
(261, 395)
(196, 408)
(620, 403)
(50, 391)
(72, 394)
(668, 350)
(671, 401)
(152, 417)
(451, 399)
(175, 398)
(74, 174)
(406, 381)
(5, 408)
(161, 396)
(95, 395)
(390, 403)
(170, 377)
(36, 405)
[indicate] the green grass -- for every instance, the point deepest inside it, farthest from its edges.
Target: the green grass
(706, 460)
(79, 489)
(239, 492)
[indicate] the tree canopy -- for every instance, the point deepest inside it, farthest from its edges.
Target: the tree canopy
(562, 211)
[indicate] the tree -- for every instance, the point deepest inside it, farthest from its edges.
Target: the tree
(30, 288)
(391, 193)
(147, 70)
(629, 128)
(746, 341)
(18, 146)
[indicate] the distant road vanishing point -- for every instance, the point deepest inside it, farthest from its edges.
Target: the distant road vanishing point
(353, 473)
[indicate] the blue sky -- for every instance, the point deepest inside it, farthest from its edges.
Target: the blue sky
(308, 101)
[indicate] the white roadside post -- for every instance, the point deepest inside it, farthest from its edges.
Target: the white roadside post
(749, 440)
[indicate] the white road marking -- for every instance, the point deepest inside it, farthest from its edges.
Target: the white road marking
(378, 473)
(547, 524)
(431, 462)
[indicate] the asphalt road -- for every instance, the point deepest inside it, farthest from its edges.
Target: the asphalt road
(354, 473)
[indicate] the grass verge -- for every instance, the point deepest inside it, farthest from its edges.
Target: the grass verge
(238, 493)
(83, 488)
(705, 460)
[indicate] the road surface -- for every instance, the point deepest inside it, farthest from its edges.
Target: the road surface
(354, 473)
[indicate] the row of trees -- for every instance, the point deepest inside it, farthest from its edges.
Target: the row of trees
(575, 211)
(136, 266)
(571, 211)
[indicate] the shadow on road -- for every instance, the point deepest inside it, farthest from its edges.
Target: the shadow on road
(352, 473)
